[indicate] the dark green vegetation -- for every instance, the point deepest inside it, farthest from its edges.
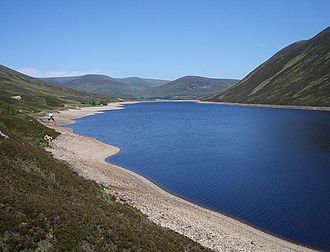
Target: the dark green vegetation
(36, 95)
(132, 87)
(188, 87)
(44, 204)
(297, 75)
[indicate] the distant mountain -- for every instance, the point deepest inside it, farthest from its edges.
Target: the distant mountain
(98, 84)
(143, 83)
(19, 91)
(297, 75)
(130, 87)
(189, 87)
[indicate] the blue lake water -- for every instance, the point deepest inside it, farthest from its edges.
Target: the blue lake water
(267, 167)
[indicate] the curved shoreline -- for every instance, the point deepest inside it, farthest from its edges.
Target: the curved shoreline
(212, 229)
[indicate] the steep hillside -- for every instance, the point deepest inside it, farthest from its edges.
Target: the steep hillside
(189, 87)
(21, 92)
(46, 206)
(297, 75)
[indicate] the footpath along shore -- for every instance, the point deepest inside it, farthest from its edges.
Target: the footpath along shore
(87, 155)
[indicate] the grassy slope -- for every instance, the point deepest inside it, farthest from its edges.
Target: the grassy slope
(297, 75)
(189, 87)
(46, 206)
(36, 95)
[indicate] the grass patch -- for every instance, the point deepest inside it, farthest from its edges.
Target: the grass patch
(27, 128)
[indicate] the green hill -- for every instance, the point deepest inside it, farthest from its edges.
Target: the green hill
(189, 87)
(97, 84)
(131, 87)
(297, 75)
(21, 92)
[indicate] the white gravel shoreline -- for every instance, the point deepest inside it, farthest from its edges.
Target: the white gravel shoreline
(87, 156)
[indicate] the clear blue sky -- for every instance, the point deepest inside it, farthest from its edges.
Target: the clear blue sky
(152, 38)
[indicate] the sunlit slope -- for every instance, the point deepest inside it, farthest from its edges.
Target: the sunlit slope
(190, 87)
(19, 91)
(297, 75)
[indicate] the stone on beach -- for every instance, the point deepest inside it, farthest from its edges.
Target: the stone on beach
(105, 185)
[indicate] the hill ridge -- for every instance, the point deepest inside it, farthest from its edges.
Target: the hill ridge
(298, 74)
(136, 87)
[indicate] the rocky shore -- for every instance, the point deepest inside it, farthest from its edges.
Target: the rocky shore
(219, 232)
